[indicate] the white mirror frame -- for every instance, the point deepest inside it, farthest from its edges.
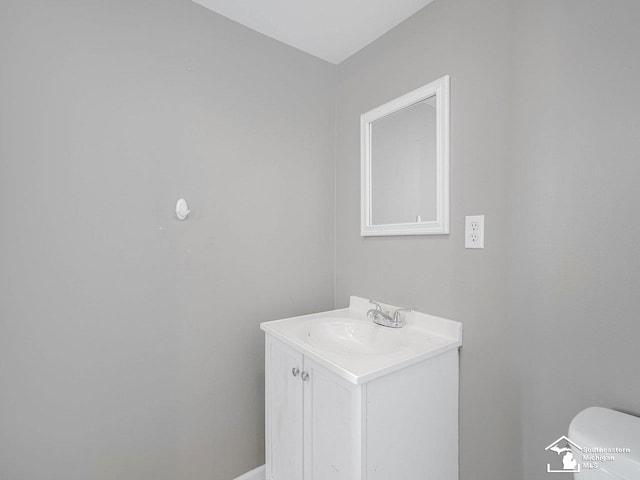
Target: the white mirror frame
(439, 88)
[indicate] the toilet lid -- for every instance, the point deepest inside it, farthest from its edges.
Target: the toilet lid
(602, 432)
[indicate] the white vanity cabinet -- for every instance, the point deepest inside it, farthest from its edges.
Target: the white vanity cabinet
(347, 400)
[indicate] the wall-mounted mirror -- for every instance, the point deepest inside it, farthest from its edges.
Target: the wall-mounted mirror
(405, 164)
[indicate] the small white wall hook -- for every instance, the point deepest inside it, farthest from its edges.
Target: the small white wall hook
(182, 209)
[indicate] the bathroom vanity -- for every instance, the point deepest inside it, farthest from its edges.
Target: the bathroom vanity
(347, 399)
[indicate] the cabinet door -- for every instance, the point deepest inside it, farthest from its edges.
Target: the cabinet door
(332, 425)
(284, 420)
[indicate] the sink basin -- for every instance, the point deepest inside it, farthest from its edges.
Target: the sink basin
(346, 342)
(351, 336)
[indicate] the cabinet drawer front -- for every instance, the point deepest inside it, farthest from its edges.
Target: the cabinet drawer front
(284, 414)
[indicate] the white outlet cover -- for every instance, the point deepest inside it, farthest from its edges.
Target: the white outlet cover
(474, 231)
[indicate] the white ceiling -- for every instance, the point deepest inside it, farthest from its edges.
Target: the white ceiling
(330, 29)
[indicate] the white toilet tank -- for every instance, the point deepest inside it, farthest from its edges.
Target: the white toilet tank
(609, 442)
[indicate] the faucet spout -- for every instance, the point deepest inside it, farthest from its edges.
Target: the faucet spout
(380, 317)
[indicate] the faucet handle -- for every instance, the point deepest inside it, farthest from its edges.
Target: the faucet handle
(396, 314)
(378, 306)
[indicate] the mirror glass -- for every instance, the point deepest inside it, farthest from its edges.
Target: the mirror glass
(405, 164)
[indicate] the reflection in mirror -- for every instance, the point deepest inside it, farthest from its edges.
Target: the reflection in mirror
(403, 165)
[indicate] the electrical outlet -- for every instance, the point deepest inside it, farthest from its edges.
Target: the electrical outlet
(474, 231)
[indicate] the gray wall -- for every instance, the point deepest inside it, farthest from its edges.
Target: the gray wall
(574, 268)
(465, 39)
(129, 342)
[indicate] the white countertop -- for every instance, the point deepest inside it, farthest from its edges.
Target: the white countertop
(384, 349)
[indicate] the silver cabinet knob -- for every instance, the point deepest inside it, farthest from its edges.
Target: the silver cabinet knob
(295, 371)
(304, 376)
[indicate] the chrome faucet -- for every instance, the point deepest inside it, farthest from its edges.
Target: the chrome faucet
(380, 317)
